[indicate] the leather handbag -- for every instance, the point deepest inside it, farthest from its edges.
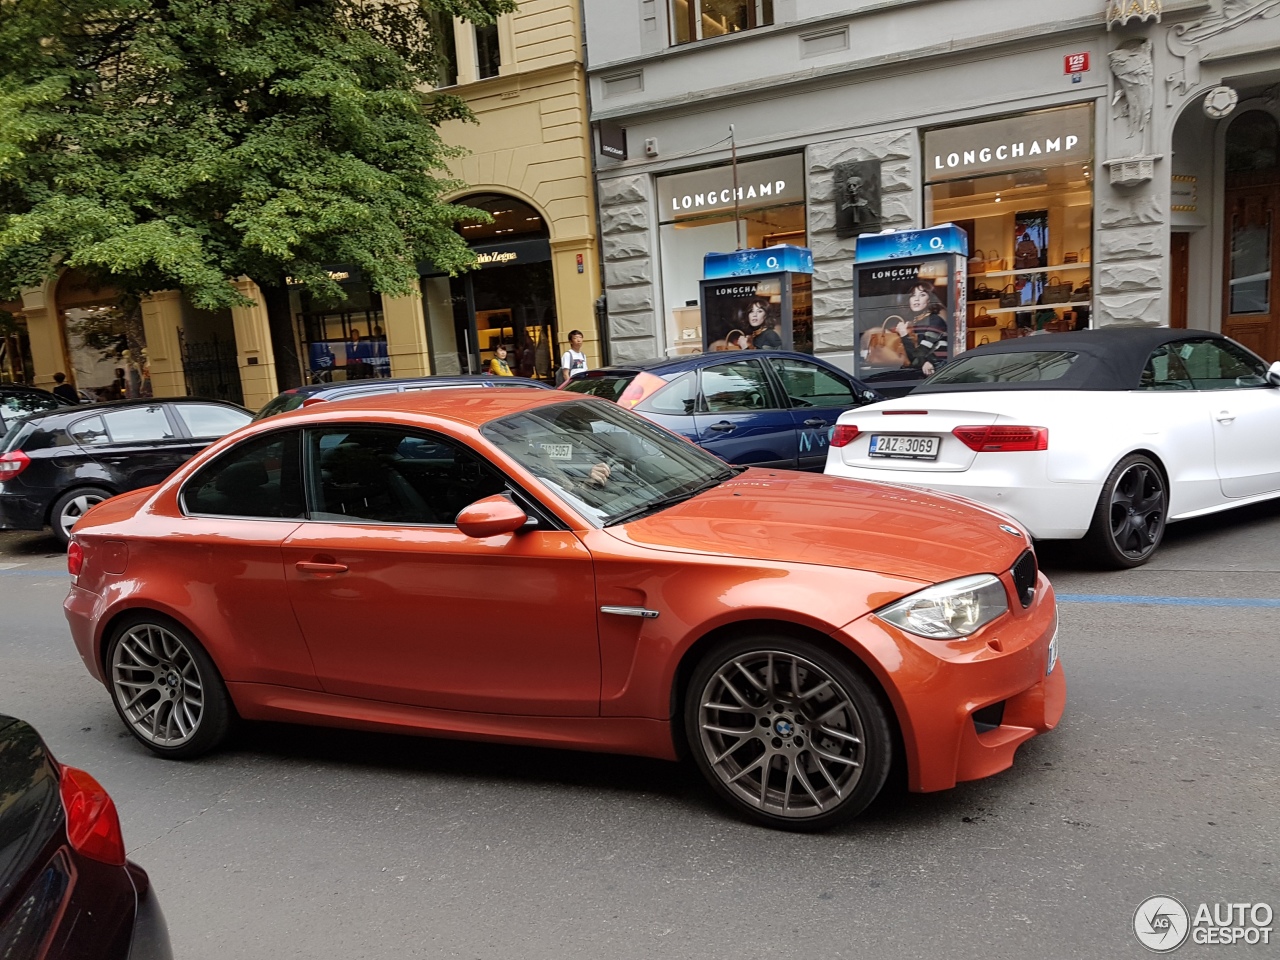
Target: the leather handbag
(982, 319)
(1009, 296)
(994, 262)
(1056, 291)
(978, 262)
(883, 347)
(1012, 333)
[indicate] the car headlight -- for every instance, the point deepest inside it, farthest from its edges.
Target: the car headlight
(947, 611)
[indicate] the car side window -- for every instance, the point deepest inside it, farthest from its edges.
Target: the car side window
(138, 424)
(809, 385)
(738, 387)
(1165, 371)
(1221, 365)
(208, 421)
(89, 432)
(387, 475)
(260, 478)
(678, 398)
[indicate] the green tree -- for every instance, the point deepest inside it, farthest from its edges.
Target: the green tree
(184, 143)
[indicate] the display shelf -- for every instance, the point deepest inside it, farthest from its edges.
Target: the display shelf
(1032, 307)
(1020, 273)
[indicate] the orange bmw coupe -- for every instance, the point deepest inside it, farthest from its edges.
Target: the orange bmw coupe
(545, 568)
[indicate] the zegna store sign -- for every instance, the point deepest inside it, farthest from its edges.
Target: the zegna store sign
(1045, 139)
(771, 182)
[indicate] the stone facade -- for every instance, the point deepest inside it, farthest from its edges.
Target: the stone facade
(627, 224)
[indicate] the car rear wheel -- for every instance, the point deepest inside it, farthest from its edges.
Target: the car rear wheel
(1128, 523)
(166, 688)
(73, 505)
(787, 733)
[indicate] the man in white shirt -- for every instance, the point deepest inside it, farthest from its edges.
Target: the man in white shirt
(574, 360)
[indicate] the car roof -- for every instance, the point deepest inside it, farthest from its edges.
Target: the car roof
(1116, 357)
(694, 360)
(86, 409)
(470, 406)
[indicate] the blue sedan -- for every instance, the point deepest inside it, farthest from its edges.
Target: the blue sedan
(765, 408)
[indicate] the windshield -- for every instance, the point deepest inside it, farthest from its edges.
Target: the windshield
(291, 400)
(1031, 366)
(608, 464)
(608, 386)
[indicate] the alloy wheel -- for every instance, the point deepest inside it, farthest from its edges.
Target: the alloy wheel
(74, 509)
(1137, 510)
(781, 734)
(157, 685)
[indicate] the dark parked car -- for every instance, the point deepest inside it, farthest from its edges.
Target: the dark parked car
(759, 408)
(56, 464)
(17, 401)
(66, 890)
(316, 392)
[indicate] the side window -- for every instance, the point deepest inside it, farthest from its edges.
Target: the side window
(89, 432)
(679, 397)
(1165, 371)
(1221, 365)
(134, 424)
(208, 421)
(388, 475)
(809, 385)
(736, 387)
(259, 478)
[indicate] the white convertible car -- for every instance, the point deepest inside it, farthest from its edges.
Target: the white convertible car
(1102, 434)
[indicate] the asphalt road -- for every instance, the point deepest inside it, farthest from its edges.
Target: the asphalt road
(1163, 778)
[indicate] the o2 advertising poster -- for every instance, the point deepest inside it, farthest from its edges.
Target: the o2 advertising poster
(905, 317)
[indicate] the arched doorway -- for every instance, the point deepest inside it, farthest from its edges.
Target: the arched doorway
(510, 299)
(1250, 310)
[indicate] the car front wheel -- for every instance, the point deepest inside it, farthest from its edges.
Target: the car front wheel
(166, 688)
(788, 734)
(1128, 522)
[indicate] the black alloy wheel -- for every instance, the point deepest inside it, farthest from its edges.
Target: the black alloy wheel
(1129, 520)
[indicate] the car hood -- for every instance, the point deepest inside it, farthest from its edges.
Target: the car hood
(791, 517)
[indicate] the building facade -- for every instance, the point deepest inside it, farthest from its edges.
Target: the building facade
(1110, 160)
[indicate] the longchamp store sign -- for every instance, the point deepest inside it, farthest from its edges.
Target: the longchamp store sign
(771, 182)
(1043, 139)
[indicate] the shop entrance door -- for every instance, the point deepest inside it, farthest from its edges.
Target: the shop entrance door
(1251, 308)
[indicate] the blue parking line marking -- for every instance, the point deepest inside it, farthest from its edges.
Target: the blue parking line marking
(1169, 601)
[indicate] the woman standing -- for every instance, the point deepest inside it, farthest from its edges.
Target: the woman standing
(925, 337)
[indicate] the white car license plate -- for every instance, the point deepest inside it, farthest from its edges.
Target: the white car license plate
(908, 448)
(558, 451)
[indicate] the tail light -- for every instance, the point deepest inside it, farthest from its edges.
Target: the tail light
(12, 464)
(93, 826)
(1003, 438)
(844, 434)
(644, 386)
(75, 558)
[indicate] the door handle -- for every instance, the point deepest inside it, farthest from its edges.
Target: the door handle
(321, 569)
(815, 423)
(1226, 416)
(724, 426)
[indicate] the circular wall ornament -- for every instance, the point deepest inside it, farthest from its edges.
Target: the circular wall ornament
(1220, 101)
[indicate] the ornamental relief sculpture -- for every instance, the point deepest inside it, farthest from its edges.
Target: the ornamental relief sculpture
(1185, 40)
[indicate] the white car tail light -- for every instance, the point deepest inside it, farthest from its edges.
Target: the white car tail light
(1003, 438)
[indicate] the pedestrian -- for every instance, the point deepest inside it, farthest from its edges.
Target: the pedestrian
(63, 390)
(498, 365)
(574, 360)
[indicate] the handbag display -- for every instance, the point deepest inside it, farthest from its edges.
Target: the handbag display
(883, 347)
(975, 339)
(978, 262)
(982, 292)
(1056, 291)
(994, 262)
(1012, 333)
(982, 319)
(1010, 297)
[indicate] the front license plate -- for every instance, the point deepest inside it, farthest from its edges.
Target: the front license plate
(908, 448)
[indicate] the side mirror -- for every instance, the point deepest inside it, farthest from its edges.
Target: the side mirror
(1273, 374)
(491, 517)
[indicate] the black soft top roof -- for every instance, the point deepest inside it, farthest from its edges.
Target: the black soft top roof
(1109, 358)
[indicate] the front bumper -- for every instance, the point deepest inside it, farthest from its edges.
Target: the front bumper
(936, 688)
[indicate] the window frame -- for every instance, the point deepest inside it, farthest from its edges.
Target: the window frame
(855, 400)
(693, 20)
(268, 436)
(705, 408)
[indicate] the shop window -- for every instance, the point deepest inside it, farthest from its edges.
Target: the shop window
(488, 57)
(1253, 143)
(702, 19)
(345, 340)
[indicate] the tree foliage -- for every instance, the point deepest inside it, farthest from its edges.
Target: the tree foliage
(184, 143)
